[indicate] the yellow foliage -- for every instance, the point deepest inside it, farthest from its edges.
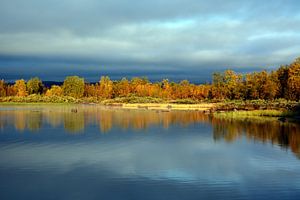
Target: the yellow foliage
(54, 91)
(20, 87)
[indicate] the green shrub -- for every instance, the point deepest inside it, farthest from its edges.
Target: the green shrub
(184, 101)
(134, 99)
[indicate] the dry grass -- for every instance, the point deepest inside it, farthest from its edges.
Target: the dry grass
(253, 114)
(166, 106)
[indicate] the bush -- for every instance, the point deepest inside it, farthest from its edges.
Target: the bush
(184, 101)
(134, 99)
(40, 99)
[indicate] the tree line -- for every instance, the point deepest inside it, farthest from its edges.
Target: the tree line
(281, 83)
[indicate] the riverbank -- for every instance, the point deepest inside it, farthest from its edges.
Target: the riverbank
(204, 107)
(149, 103)
(259, 115)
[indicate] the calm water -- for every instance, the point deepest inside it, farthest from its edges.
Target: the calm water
(99, 153)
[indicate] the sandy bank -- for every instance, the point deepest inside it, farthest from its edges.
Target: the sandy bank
(166, 106)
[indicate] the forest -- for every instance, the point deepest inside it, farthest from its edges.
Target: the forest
(282, 83)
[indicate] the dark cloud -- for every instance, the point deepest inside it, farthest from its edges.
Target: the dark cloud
(145, 35)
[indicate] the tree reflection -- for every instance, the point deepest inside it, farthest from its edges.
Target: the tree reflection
(285, 135)
(20, 120)
(35, 119)
(53, 118)
(74, 122)
(105, 121)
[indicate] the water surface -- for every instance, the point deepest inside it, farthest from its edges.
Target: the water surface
(49, 152)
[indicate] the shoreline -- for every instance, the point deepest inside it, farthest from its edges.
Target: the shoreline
(215, 109)
(205, 107)
(282, 108)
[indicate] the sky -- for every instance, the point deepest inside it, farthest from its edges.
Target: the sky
(173, 39)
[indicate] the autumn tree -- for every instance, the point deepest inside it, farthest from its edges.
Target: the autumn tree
(166, 89)
(261, 85)
(293, 85)
(233, 85)
(34, 86)
(122, 88)
(106, 87)
(20, 87)
(283, 76)
(218, 86)
(271, 86)
(139, 86)
(55, 90)
(183, 89)
(200, 91)
(11, 90)
(154, 89)
(90, 90)
(73, 86)
(2, 88)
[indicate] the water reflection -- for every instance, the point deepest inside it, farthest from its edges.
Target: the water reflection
(100, 153)
(29, 118)
(105, 118)
(285, 135)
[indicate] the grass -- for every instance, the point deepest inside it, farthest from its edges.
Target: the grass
(39, 99)
(169, 106)
(254, 114)
(184, 101)
(250, 108)
(277, 104)
(133, 100)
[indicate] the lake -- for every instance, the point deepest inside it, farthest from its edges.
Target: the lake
(50, 152)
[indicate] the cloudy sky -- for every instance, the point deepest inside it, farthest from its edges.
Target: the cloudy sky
(159, 39)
